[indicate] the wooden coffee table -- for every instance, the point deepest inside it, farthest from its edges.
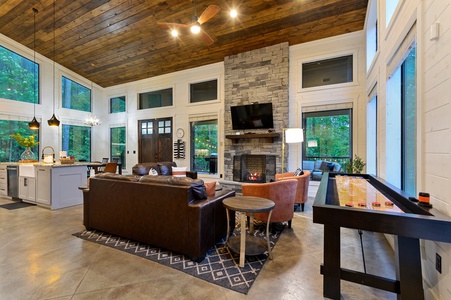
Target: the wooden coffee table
(248, 244)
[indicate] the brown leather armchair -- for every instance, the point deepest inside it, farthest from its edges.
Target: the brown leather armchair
(302, 189)
(281, 192)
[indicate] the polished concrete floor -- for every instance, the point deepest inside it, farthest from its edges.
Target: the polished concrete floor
(40, 259)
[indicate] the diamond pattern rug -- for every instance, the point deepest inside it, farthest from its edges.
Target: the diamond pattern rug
(220, 265)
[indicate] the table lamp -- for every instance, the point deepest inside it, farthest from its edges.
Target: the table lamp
(290, 136)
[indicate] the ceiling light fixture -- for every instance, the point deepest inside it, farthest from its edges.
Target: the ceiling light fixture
(195, 29)
(233, 13)
(34, 124)
(174, 32)
(53, 121)
(92, 121)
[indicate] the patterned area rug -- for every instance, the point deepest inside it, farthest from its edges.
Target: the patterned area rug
(220, 265)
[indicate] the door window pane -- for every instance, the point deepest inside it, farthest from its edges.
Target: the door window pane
(75, 95)
(204, 141)
(19, 77)
(117, 145)
(117, 104)
(10, 150)
(76, 141)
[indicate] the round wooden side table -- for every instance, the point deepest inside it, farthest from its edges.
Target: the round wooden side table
(248, 244)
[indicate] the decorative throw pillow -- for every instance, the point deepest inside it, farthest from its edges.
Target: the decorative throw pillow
(164, 170)
(179, 171)
(298, 172)
(153, 172)
(210, 188)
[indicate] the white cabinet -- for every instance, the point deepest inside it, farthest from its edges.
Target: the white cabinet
(27, 189)
(43, 187)
(3, 181)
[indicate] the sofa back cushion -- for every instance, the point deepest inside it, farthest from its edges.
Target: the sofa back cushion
(197, 187)
(163, 168)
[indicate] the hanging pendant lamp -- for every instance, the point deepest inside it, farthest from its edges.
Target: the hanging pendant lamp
(53, 121)
(34, 124)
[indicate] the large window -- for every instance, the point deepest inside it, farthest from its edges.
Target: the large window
(75, 95)
(117, 145)
(390, 7)
(328, 71)
(19, 77)
(371, 136)
(204, 141)
(117, 104)
(401, 131)
(204, 91)
(155, 99)
(328, 135)
(76, 141)
(10, 150)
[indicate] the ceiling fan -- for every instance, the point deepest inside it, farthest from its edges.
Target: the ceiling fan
(195, 26)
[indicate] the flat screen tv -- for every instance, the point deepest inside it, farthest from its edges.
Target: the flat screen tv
(252, 116)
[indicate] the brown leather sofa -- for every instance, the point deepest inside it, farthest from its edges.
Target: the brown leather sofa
(163, 168)
(162, 211)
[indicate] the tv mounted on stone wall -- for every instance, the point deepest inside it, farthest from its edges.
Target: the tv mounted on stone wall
(252, 116)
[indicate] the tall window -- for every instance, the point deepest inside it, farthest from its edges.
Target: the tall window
(117, 145)
(371, 34)
(9, 149)
(328, 135)
(401, 125)
(76, 141)
(204, 135)
(390, 7)
(117, 104)
(75, 95)
(19, 77)
(371, 136)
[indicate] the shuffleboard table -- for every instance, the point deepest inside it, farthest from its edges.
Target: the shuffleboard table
(366, 202)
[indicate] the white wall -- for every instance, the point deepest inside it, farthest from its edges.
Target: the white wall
(337, 94)
(181, 110)
(433, 111)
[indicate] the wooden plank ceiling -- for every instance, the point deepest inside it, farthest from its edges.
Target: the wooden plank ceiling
(116, 41)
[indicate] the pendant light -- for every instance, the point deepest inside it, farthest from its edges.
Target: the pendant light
(34, 124)
(53, 121)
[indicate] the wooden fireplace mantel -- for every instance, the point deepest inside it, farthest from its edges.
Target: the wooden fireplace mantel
(270, 136)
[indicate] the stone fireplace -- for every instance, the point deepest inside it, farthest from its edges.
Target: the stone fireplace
(257, 76)
(254, 168)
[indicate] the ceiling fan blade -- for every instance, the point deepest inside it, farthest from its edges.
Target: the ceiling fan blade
(208, 13)
(206, 38)
(172, 25)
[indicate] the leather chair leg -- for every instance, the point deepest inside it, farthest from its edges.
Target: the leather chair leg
(302, 206)
(289, 224)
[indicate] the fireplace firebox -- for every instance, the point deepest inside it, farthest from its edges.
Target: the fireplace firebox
(254, 168)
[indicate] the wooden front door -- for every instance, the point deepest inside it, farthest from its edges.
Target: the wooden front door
(155, 140)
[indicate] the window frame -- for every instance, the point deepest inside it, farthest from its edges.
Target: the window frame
(138, 101)
(69, 153)
(203, 101)
(193, 147)
(110, 104)
(354, 82)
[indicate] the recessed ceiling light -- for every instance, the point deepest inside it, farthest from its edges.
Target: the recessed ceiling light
(233, 13)
(174, 32)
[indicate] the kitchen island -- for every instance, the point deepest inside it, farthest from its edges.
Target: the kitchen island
(53, 186)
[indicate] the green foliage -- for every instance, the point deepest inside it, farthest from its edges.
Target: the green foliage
(75, 96)
(9, 149)
(332, 135)
(26, 142)
(355, 166)
(205, 143)
(18, 77)
(117, 104)
(76, 140)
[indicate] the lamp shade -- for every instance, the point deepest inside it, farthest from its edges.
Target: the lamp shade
(294, 135)
(53, 121)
